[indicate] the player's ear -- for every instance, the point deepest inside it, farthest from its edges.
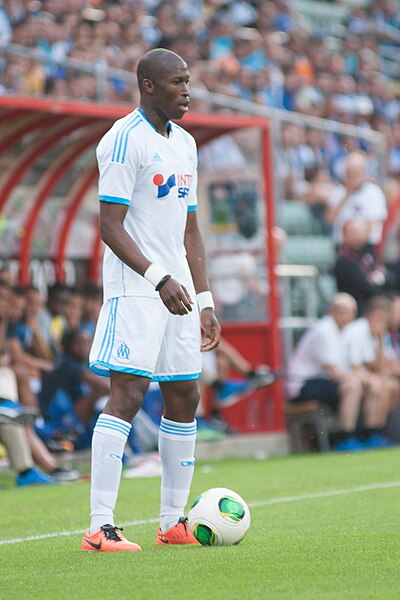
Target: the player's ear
(148, 86)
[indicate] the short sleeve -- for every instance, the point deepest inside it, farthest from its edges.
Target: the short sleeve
(117, 169)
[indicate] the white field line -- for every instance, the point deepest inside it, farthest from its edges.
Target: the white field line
(282, 500)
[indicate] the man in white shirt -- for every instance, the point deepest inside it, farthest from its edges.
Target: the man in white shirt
(318, 370)
(358, 199)
(366, 355)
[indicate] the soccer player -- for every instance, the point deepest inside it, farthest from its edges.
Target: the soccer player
(154, 269)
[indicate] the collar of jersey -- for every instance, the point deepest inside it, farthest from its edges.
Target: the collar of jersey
(169, 126)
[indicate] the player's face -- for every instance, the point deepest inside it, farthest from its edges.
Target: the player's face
(171, 93)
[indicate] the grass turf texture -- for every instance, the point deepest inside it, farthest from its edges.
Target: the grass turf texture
(337, 546)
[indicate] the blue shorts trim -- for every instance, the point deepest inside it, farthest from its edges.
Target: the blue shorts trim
(115, 200)
(103, 368)
(192, 208)
(189, 377)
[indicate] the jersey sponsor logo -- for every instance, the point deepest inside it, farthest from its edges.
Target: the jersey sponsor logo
(156, 158)
(123, 351)
(164, 188)
(183, 181)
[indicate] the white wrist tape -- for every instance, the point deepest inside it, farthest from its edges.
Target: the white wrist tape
(154, 274)
(205, 300)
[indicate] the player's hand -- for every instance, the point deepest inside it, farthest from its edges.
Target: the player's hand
(176, 297)
(211, 329)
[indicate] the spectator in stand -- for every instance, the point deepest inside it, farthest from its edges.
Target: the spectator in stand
(52, 317)
(92, 301)
(357, 199)
(320, 188)
(15, 387)
(27, 347)
(357, 270)
(365, 351)
(317, 370)
(73, 310)
(70, 392)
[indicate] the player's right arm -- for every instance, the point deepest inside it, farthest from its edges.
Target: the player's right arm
(112, 216)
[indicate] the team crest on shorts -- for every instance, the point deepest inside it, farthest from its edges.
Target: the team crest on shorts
(123, 351)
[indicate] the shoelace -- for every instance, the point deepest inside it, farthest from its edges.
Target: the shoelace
(184, 522)
(111, 532)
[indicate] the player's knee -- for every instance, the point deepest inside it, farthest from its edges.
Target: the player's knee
(126, 400)
(193, 398)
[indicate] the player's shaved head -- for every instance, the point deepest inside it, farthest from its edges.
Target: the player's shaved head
(156, 64)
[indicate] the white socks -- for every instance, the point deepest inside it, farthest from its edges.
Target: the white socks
(176, 445)
(108, 444)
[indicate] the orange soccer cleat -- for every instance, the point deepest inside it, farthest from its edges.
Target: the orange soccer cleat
(107, 539)
(179, 534)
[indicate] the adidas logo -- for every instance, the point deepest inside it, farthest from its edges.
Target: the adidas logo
(156, 158)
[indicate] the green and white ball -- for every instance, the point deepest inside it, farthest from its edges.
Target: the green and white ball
(219, 517)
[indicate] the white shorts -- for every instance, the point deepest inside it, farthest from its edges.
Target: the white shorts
(138, 335)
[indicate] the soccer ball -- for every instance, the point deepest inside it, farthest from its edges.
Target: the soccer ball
(219, 517)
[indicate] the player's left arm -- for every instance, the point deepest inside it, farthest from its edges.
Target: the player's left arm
(196, 258)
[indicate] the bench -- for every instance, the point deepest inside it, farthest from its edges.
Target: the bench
(314, 417)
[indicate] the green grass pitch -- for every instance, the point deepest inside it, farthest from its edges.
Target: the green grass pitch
(323, 527)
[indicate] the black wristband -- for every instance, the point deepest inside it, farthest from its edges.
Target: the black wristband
(161, 283)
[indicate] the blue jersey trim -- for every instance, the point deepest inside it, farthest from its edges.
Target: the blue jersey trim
(135, 118)
(192, 208)
(169, 126)
(106, 332)
(107, 343)
(115, 300)
(189, 377)
(115, 200)
(101, 367)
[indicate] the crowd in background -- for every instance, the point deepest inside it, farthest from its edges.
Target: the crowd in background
(254, 50)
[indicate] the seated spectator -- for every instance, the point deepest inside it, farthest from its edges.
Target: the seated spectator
(52, 318)
(73, 310)
(357, 271)
(13, 437)
(27, 347)
(15, 387)
(92, 301)
(318, 370)
(321, 186)
(70, 392)
(365, 351)
(357, 199)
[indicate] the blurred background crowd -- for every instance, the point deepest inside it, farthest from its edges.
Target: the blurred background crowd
(257, 51)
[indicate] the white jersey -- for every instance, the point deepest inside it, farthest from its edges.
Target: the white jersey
(156, 177)
(368, 203)
(322, 346)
